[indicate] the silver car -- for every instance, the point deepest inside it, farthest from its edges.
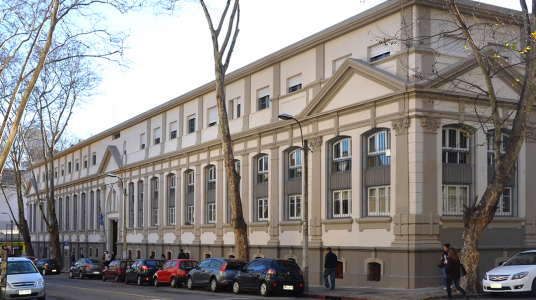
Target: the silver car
(23, 280)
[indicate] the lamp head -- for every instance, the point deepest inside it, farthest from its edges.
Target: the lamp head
(285, 117)
(111, 175)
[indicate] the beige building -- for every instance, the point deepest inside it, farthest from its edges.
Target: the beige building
(394, 158)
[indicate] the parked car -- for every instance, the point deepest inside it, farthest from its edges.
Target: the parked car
(23, 280)
(174, 272)
(269, 275)
(518, 274)
(32, 258)
(86, 267)
(47, 266)
(143, 270)
(215, 273)
(116, 270)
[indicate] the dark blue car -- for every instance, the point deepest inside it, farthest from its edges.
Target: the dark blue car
(215, 273)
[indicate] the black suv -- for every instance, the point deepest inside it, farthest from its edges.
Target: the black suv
(270, 275)
(143, 270)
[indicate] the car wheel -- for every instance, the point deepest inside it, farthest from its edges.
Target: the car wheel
(140, 281)
(173, 282)
(103, 277)
(116, 278)
(214, 285)
(71, 275)
(264, 290)
(190, 283)
(236, 287)
(155, 282)
(44, 272)
(126, 279)
(80, 275)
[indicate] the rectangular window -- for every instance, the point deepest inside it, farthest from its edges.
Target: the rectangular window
(83, 226)
(77, 165)
(69, 167)
(379, 51)
(99, 211)
(94, 159)
(191, 124)
(263, 98)
(55, 172)
(212, 213)
(190, 215)
(262, 171)
(140, 204)
(262, 209)
(155, 216)
(172, 216)
(238, 108)
(156, 132)
(454, 198)
(142, 141)
(230, 109)
(378, 152)
(116, 135)
(190, 182)
(295, 164)
(342, 156)
(211, 184)
(455, 146)
(44, 177)
(378, 201)
(62, 170)
(504, 207)
(92, 210)
(294, 210)
(294, 83)
(341, 203)
(212, 116)
(173, 130)
(85, 162)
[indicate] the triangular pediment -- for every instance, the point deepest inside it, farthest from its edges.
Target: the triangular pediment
(31, 184)
(466, 77)
(354, 82)
(111, 160)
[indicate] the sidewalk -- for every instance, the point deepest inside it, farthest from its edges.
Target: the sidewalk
(368, 293)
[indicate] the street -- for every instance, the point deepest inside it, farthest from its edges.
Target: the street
(60, 287)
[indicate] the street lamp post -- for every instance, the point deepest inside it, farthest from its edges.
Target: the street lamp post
(124, 214)
(10, 219)
(305, 215)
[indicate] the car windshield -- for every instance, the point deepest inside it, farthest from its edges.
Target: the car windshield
(20, 267)
(235, 265)
(522, 259)
(154, 263)
(188, 265)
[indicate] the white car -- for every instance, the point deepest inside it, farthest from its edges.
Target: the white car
(518, 274)
(23, 280)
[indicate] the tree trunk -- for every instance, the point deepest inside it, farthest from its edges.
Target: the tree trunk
(51, 204)
(22, 223)
(238, 222)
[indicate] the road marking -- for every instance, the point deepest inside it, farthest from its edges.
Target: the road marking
(107, 291)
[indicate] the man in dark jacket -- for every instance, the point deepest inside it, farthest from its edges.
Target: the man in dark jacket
(182, 255)
(330, 263)
(73, 259)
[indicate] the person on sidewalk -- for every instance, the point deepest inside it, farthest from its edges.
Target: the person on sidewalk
(113, 256)
(444, 257)
(73, 259)
(453, 273)
(182, 255)
(330, 263)
(107, 258)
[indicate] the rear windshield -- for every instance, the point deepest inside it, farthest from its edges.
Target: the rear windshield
(154, 263)
(93, 261)
(126, 264)
(188, 265)
(235, 265)
(20, 267)
(288, 264)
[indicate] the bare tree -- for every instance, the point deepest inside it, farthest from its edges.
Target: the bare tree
(492, 38)
(222, 58)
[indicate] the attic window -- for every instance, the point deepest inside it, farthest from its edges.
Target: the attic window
(379, 51)
(116, 135)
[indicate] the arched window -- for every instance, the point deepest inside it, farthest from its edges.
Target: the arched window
(295, 164)
(457, 172)
(75, 211)
(340, 193)
(131, 199)
(138, 254)
(99, 210)
(293, 183)
(262, 169)
(377, 172)
(83, 211)
(67, 215)
(229, 209)
(210, 195)
(505, 207)
(60, 213)
(154, 203)
(171, 198)
(91, 210)
(190, 197)
(260, 204)
(140, 203)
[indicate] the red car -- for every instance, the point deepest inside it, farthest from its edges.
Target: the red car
(174, 272)
(117, 270)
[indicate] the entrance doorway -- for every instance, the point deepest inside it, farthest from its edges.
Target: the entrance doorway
(114, 236)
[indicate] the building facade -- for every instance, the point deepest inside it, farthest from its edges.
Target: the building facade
(395, 156)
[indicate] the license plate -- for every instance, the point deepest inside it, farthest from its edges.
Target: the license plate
(288, 287)
(96, 272)
(53, 270)
(25, 292)
(496, 285)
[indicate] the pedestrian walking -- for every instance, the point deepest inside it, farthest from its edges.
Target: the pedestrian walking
(152, 255)
(444, 257)
(330, 263)
(163, 257)
(73, 259)
(182, 255)
(113, 255)
(453, 273)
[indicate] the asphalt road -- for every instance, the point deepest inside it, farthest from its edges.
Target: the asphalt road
(60, 287)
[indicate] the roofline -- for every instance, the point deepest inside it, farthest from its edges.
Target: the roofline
(362, 19)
